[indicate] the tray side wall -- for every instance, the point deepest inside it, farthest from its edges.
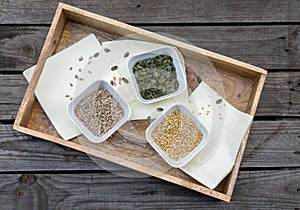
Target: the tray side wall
(49, 48)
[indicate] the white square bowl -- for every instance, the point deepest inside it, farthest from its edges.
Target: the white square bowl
(163, 154)
(180, 72)
(99, 84)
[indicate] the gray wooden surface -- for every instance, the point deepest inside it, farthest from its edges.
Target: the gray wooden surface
(36, 174)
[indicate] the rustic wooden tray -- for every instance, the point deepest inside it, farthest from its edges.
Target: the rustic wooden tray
(242, 83)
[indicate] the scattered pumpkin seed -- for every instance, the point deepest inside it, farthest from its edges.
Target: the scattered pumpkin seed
(79, 69)
(70, 68)
(96, 54)
(159, 109)
(67, 96)
(149, 119)
(199, 79)
(114, 78)
(114, 68)
(125, 80)
(89, 62)
(112, 82)
(81, 58)
(126, 54)
(71, 84)
(71, 98)
(106, 50)
(91, 57)
(76, 76)
(219, 101)
(89, 72)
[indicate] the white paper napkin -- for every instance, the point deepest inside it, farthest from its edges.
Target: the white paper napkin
(57, 83)
(222, 158)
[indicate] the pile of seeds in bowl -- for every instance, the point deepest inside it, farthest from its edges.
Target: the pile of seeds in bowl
(177, 135)
(99, 111)
(155, 76)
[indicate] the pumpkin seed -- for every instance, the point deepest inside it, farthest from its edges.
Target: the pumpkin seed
(126, 54)
(219, 101)
(155, 76)
(106, 50)
(125, 80)
(199, 79)
(112, 82)
(114, 68)
(96, 54)
(160, 109)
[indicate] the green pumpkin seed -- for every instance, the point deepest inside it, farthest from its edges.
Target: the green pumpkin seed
(114, 68)
(219, 101)
(96, 54)
(106, 50)
(126, 54)
(199, 79)
(155, 76)
(125, 80)
(160, 109)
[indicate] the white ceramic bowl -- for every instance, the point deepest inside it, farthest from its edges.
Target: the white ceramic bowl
(163, 154)
(180, 72)
(99, 84)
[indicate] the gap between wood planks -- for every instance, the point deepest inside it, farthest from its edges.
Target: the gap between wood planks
(174, 24)
(84, 171)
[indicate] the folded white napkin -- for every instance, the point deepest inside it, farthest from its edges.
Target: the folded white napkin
(229, 137)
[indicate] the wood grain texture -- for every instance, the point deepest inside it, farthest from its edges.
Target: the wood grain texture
(20, 46)
(95, 191)
(279, 97)
(138, 11)
(12, 89)
(270, 144)
(270, 47)
(254, 31)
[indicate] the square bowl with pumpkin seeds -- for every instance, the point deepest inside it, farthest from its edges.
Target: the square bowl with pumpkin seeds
(157, 74)
(177, 135)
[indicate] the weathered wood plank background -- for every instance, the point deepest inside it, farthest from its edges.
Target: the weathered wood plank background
(36, 174)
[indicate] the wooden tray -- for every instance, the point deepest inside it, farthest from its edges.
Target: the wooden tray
(242, 83)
